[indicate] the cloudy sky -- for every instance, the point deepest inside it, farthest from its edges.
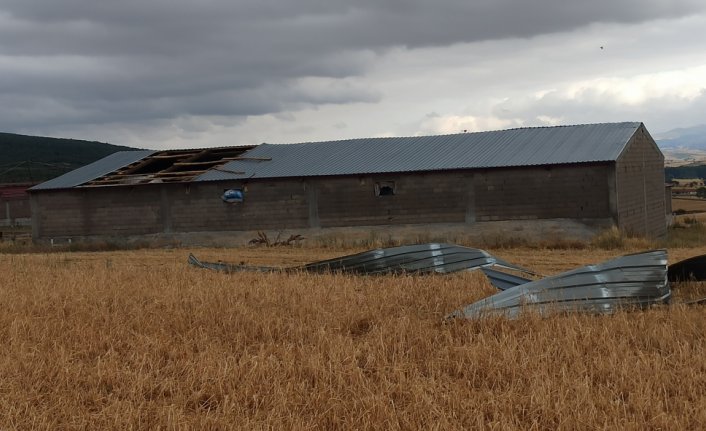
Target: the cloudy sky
(184, 73)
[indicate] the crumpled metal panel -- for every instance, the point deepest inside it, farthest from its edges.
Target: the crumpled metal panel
(636, 280)
(420, 258)
(229, 267)
(503, 280)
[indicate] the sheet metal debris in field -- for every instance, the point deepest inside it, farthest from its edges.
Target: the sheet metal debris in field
(502, 280)
(421, 258)
(228, 267)
(418, 259)
(636, 280)
(691, 269)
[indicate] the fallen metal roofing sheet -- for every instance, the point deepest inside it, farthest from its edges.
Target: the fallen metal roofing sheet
(516, 147)
(94, 170)
(502, 280)
(420, 259)
(229, 267)
(636, 280)
(691, 269)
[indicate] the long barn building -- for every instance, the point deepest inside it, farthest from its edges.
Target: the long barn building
(598, 174)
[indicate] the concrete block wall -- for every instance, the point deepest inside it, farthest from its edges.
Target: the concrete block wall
(267, 205)
(164, 208)
(640, 187)
(93, 211)
(577, 192)
(417, 198)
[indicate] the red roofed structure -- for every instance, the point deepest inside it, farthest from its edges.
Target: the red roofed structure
(14, 204)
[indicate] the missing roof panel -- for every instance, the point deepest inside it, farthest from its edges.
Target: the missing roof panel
(174, 166)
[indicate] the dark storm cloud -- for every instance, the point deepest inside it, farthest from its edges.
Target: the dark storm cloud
(93, 61)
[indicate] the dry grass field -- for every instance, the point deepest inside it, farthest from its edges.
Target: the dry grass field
(694, 208)
(139, 340)
(689, 204)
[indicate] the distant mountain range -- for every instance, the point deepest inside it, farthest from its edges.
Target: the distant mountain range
(685, 146)
(34, 159)
(691, 137)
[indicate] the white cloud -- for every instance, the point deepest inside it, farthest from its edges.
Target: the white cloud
(457, 124)
(684, 84)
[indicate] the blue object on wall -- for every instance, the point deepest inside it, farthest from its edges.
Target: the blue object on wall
(232, 196)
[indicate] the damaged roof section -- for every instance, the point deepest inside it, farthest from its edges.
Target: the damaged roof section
(148, 166)
(94, 170)
(532, 146)
(171, 166)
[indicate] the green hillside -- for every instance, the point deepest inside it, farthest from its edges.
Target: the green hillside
(698, 171)
(36, 159)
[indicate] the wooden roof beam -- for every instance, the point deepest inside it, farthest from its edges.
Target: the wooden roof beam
(192, 158)
(212, 162)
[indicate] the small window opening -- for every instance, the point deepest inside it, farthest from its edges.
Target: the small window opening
(386, 188)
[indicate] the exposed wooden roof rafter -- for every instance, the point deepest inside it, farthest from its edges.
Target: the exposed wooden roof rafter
(171, 166)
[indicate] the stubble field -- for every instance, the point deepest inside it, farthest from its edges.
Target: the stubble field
(690, 205)
(139, 340)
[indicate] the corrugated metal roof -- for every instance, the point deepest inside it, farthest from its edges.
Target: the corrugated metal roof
(94, 170)
(516, 147)
(505, 148)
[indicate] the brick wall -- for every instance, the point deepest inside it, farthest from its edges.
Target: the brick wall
(640, 187)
